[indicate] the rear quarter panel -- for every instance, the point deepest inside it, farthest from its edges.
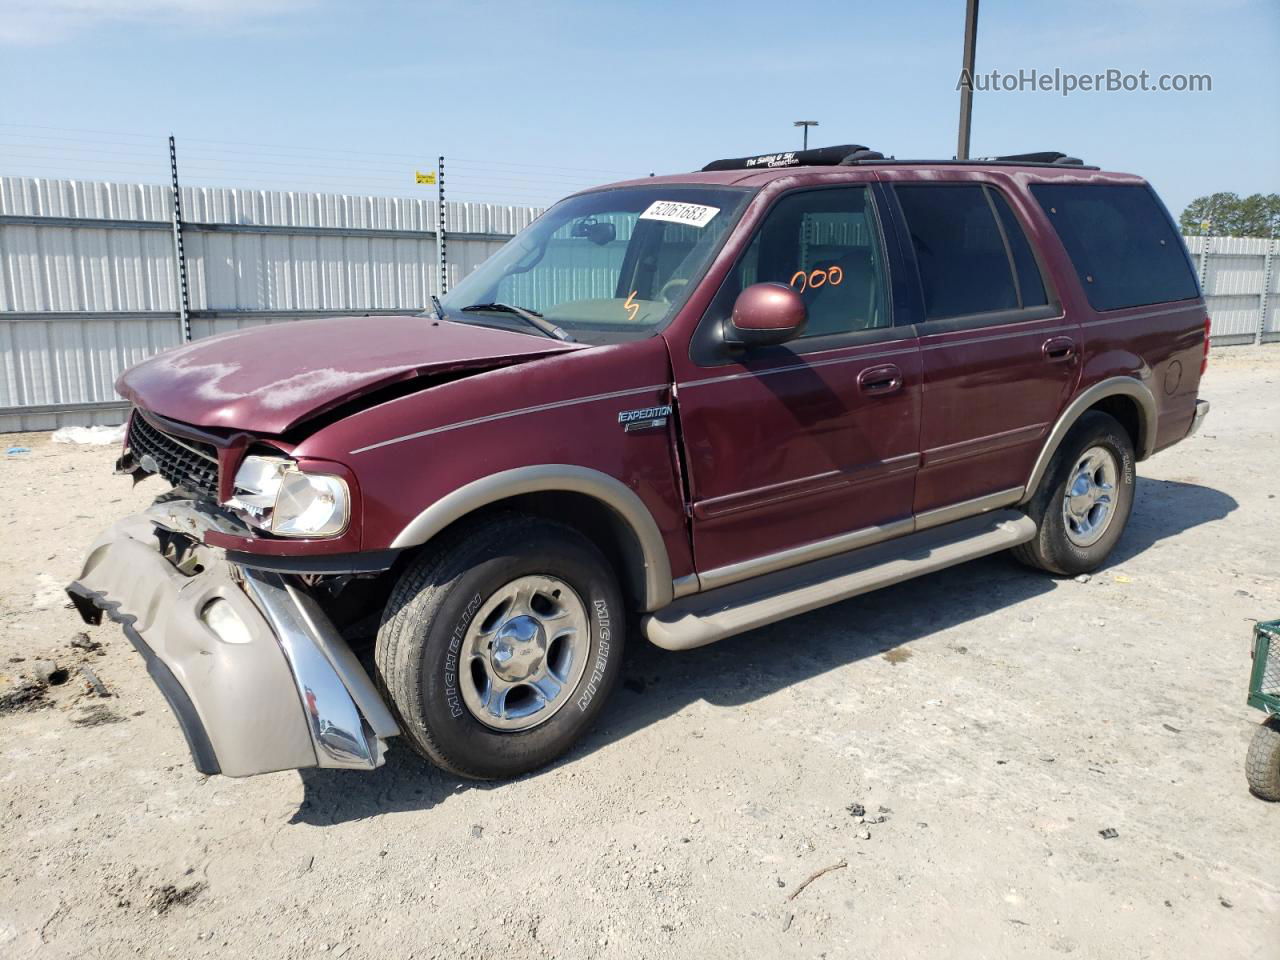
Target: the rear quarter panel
(1159, 344)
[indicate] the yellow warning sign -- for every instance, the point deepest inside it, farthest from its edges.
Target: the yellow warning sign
(425, 177)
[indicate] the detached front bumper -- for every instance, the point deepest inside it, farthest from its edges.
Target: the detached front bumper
(271, 685)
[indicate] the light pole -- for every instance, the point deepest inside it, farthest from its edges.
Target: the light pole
(806, 124)
(966, 73)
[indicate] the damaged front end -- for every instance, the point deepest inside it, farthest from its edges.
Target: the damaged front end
(258, 676)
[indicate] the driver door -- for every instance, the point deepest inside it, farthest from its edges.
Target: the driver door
(811, 447)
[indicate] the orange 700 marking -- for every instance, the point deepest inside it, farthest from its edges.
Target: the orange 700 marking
(631, 307)
(819, 275)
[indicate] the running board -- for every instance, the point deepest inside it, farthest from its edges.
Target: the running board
(706, 617)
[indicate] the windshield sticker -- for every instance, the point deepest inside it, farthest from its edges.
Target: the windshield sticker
(689, 214)
(631, 306)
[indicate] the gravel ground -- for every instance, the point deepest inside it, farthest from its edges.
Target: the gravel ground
(955, 745)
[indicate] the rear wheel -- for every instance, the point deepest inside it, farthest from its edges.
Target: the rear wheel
(1262, 766)
(500, 644)
(1084, 498)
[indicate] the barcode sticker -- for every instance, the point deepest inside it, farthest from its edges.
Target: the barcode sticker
(690, 214)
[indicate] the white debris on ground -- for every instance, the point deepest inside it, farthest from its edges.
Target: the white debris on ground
(99, 436)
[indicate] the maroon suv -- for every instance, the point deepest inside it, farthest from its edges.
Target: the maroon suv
(688, 405)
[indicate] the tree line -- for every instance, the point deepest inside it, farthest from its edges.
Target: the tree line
(1230, 215)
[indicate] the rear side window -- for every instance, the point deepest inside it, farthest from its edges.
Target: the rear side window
(1121, 241)
(966, 256)
(1030, 283)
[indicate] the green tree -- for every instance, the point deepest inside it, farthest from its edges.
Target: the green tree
(1228, 215)
(1208, 215)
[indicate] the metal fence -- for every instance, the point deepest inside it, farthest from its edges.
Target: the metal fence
(90, 283)
(1240, 277)
(89, 279)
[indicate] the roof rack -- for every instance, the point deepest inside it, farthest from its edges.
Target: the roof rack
(1047, 156)
(853, 154)
(818, 157)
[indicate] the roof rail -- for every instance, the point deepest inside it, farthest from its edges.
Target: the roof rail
(854, 154)
(975, 161)
(1046, 156)
(817, 157)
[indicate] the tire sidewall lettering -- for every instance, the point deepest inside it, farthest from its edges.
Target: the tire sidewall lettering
(452, 697)
(604, 629)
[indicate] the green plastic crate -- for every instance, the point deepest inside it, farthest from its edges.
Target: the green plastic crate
(1264, 684)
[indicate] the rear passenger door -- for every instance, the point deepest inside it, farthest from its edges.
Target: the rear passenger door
(999, 358)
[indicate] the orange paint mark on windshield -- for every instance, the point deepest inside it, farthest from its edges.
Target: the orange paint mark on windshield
(631, 307)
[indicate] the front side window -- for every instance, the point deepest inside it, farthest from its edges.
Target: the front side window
(825, 244)
(1121, 242)
(606, 267)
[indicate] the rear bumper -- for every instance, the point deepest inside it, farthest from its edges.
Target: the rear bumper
(1202, 411)
(281, 690)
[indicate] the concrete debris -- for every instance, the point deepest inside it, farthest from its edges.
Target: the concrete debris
(48, 672)
(82, 641)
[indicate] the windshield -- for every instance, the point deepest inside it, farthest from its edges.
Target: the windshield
(605, 267)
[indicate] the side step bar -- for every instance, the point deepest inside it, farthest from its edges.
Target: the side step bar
(706, 617)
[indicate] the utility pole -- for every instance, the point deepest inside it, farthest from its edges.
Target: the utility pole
(806, 124)
(966, 74)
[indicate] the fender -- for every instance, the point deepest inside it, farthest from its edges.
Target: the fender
(1111, 387)
(558, 477)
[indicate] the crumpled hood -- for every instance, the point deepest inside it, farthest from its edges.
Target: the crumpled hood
(267, 379)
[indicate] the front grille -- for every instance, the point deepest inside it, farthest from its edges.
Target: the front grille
(187, 464)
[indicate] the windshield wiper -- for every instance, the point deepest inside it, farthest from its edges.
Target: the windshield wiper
(530, 317)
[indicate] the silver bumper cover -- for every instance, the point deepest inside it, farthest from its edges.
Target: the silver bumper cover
(283, 692)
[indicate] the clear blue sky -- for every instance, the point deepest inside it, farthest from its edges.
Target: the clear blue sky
(531, 100)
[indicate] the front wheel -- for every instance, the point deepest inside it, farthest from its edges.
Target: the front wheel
(500, 644)
(1083, 500)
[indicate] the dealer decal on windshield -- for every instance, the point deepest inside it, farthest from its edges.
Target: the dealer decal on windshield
(690, 214)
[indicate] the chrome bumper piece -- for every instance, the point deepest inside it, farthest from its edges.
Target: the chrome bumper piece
(1202, 411)
(283, 692)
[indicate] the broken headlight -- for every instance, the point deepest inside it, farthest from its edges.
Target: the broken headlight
(273, 494)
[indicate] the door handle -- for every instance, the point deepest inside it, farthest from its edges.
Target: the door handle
(1058, 349)
(883, 379)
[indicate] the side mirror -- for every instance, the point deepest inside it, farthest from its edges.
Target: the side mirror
(598, 232)
(765, 314)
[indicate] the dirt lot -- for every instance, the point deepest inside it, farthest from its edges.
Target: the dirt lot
(989, 721)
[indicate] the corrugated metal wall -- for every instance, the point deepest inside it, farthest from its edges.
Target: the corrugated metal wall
(88, 278)
(89, 287)
(1238, 275)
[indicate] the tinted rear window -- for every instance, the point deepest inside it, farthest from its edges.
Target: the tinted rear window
(963, 265)
(1122, 243)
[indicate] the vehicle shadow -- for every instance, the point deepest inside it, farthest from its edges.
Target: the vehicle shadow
(657, 683)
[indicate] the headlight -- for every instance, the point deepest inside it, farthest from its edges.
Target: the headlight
(271, 493)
